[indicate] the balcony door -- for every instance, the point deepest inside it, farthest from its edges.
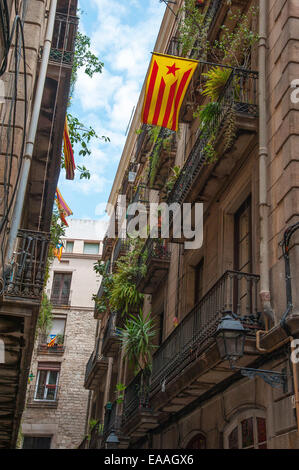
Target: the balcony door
(61, 288)
(243, 257)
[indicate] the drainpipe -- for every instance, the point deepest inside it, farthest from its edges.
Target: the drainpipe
(18, 209)
(263, 157)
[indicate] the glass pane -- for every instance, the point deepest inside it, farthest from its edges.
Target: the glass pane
(247, 433)
(69, 247)
(39, 395)
(91, 248)
(261, 430)
(52, 377)
(233, 441)
(51, 392)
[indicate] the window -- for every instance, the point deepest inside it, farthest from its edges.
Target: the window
(243, 238)
(69, 247)
(61, 288)
(198, 442)
(248, 432)
(199, 281)
(37, 442)
(91, 248)
(47, 382)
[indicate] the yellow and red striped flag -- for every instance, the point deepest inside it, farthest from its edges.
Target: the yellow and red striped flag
(167, 83)
(63, 208)
(68, 153)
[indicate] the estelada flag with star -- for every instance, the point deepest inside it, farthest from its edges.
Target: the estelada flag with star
(167, 83)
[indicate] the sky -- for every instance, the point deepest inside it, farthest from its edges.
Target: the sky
(123, 35)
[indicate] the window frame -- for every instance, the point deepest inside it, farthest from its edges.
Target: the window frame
(46, 388)
(237, 423)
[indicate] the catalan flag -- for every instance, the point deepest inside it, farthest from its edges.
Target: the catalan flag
(167, 83)
(58, 251)
(52, 342)
(63, 208)
(68, 153)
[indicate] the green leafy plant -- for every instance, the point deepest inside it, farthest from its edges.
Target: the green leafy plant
(193, 31)
(207, 113)
(120, 389)
(137, 341)
(124, 296)
(45, 319)
(217, 78)
(175, 173)
(103, 304)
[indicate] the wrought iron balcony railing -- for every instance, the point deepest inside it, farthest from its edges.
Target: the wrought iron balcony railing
(25, 278)
(156, 257)
(121, 248)
(63, 42)
(44, 345)
(112, 421)
(136, 397)
(165, 145)
(97, 363)
(235, 291)
(241, 92)
(96, 436)
(143, 144)
(60, 299)
(111, 335)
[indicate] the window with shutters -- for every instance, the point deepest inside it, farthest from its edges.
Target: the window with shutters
(61, 289)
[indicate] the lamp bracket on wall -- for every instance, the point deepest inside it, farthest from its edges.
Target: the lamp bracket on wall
(167, 4)
(275, 379)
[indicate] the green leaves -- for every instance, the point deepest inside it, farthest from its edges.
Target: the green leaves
(137, 341)
(217, 78)
(84, 58)
(45, 318)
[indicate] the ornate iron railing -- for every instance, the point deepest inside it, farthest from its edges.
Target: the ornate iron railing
(136, 396)
(112, 421)
(142, 137)
(111, 329)
(63, 42)
(121, 247)
(95, 356)
(165, 140)
(96, 436)
(102, 286)
(241, 93)
(25, 278)
(234, 291)
(153, 248)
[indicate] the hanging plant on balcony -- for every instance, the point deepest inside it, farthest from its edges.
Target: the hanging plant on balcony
(175, 173)
(217, 78)
(102, 304)
(137, 342)
(193, 31)
(124, 296)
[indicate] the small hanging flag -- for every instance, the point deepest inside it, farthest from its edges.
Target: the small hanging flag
(52, 342)
(68, 153)
(167, 83)
(58, 251)
(63, 208)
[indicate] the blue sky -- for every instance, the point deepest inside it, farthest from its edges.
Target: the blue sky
(123, 34)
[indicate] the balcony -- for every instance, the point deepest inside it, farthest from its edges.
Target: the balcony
(187, 363)
(96, 436)
(60, 299)
(111, 341)
(95, 371)
(138, 417)
(101, 291)
(63, 42)
(157, 260)
(120, 249)
(112, 422)
(200, 181)
(141, 196)
(162, 159)
(24, 280)
(143, 145)
(57, 349)
(43, 397)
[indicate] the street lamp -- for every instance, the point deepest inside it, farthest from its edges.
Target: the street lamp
(112, 441)
(230, 339)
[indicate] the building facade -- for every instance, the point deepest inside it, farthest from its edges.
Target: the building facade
(55, 414)
(35, 77)
(247, 265)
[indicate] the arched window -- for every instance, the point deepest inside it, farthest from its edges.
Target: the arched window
(247, 431)
(197, 442)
